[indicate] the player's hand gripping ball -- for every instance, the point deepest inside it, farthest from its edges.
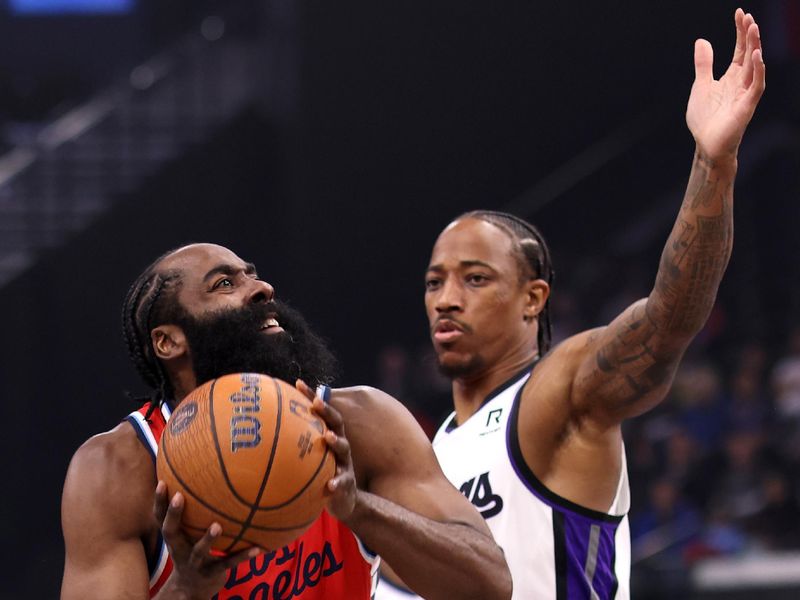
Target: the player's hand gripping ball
(246, 452)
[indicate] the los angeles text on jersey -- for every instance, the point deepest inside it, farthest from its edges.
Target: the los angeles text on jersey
(302, 571)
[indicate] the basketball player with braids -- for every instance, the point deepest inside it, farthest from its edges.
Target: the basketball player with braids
(535, 440)
(200, 312)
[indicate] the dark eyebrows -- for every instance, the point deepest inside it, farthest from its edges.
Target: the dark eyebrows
(230, 270)
(464, 264)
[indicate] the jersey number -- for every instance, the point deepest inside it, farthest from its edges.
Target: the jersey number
(487, 502)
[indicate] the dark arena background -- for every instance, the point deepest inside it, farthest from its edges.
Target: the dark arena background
(329, 142)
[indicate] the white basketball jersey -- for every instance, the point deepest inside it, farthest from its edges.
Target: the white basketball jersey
(556, 550)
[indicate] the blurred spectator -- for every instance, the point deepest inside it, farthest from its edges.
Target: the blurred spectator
(697, 395)
(666, 525)
(721, 535)
(748, 404)
(432, 389)
(399, 378)
(777, 525)
(786, 380)
(737, 483)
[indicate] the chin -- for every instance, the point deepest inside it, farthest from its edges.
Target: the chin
(454, 367)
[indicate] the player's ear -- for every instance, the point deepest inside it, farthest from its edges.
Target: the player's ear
(536, 293)
(168, 341)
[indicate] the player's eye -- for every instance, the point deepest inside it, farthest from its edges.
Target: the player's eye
(225, 282)
(432, 284)
(477, 279)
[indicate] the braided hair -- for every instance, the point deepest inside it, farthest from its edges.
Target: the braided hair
(151, 301)
(533, 256)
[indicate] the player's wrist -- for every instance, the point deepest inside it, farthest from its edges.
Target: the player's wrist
(175, 589)
(726, 162)
(362, 510)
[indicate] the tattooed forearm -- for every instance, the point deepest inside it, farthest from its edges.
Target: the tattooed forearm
(638, 353)
(696, 254)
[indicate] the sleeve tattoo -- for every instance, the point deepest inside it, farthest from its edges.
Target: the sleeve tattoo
(643, 346)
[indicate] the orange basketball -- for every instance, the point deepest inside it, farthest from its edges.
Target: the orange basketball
(246, 451)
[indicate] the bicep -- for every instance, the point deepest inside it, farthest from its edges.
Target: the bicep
(104, 570)
(625, 368)
(104, 556)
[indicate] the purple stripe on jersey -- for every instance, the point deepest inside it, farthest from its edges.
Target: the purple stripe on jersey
(589, 547)
(584, 539)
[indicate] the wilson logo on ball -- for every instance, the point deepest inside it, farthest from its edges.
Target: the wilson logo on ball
(245, 425)
(182, 418)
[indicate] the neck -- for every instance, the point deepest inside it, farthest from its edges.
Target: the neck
(470, 392)
(182, 384)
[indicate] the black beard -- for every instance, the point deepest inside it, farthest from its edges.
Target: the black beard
(462, 370)
(232, 341)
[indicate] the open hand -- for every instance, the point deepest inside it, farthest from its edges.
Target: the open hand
(719, 110)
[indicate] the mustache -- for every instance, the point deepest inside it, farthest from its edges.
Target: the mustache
(255, 313)
(461, 324)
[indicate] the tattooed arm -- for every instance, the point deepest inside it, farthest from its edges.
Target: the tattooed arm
(627, 366)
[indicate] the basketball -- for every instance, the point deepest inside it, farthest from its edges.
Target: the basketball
(246, 451)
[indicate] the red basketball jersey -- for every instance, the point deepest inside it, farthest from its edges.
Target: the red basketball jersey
(327, 562)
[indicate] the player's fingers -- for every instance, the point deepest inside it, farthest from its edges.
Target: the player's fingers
(160, 502)
(741, 35)
(703, 61)
(753, 43)
(331, 416)
(340, 447)
(759, 76)
(344, 481)
(171, 525)
(304, 389)
(223, 564)
(200, 551)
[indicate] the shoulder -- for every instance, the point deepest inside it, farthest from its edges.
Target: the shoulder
(383, 434)
(368, 410)
(365, 400)
(548, 402)
(557, 370)
(110, 476)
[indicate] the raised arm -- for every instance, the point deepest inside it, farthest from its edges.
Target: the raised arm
(627, 366)
(407, 511)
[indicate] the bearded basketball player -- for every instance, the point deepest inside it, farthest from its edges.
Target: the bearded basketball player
(200, 312)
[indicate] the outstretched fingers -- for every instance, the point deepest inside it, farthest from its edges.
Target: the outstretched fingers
(759, 82)
(703, 61)
(753, 44)
(741, 38)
